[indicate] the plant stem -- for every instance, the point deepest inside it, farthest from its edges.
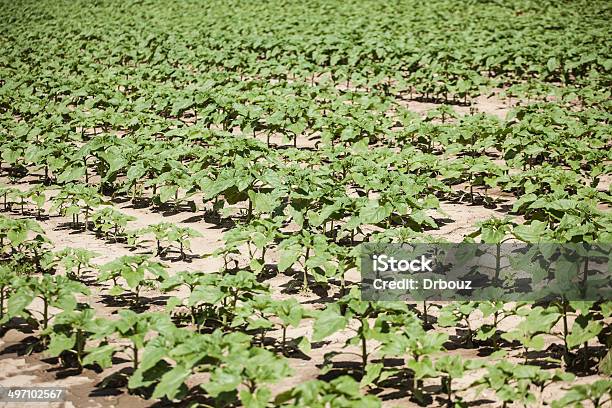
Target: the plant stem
(497, 263)
(415, 382)
(135, 349)
(2, 302)
(364, 350)
(305, 269)
(585, 275)
(45, 312)
(565, 333)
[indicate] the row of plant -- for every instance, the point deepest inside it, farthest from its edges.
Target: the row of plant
(205, 332)
(293, 124)
(501, 43)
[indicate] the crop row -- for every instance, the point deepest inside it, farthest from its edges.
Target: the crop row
(220, 328)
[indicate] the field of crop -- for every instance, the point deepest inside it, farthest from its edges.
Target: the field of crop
(185, 187)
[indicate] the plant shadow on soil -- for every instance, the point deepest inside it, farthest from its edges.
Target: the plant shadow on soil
(70, 226)
(116, 384)
(178, 257)
(169, 210)
(479, 200)
(19, 324)
(296, 286)
(551, 357)
(14, 209)
(195, 396)
(291, 346)
(113, 384)
(128, 301)
(434, 100)
(461, 340)
(89, 279)
(395, 387)
(23, 347)
(210, 217)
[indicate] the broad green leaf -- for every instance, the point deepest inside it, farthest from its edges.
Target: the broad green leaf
(328, 322)
(170, 383)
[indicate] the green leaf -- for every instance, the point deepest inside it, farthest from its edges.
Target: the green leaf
(60, 342)
(423, 368)
(116, 290)
(19, 301)
(166, 193)
(133, 277)
(222, 380)
(170, 383)
(583, 331)
(328, 322)
(605, 365)
(288, 257)
(71, 174)
(535, 343)
(371, 375)
(101, 355)
(258, 399)
(552, 64)
(304, 345)
(531, 233)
